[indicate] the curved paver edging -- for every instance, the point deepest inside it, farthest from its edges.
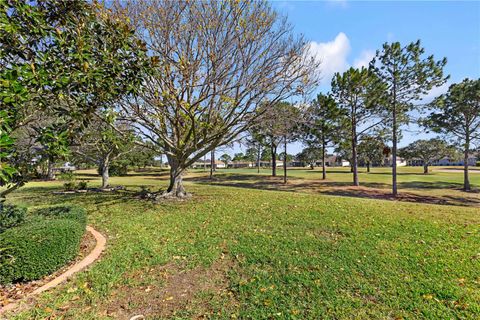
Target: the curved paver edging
(89, 259)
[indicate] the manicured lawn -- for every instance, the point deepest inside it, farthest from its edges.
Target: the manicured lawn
(241, 252)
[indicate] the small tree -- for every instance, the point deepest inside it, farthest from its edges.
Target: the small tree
(102, 145)
(226, 158)
(358, 93)
(427, 151)
(256, 145)
(323, 119)
(239, 156)
(278, 124)
(457, 114)
(371, 150)
(408, 76)
(309, 155)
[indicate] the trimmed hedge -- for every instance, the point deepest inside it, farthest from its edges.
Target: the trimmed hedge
(48, 240)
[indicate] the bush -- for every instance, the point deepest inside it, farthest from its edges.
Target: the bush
(67, 176)
(49, 239)
(11, 216)
(116, 169)
(69, 186)
(82, 185)
(478, 163)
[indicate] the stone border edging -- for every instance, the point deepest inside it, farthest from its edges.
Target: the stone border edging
(89, 259)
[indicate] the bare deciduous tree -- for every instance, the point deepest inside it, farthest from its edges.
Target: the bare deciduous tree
(217, 62)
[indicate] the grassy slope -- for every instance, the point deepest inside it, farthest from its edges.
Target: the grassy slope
(294, 255)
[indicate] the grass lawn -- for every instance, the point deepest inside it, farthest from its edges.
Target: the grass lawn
(234, 251)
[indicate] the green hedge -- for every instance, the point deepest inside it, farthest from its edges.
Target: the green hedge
(48, 240)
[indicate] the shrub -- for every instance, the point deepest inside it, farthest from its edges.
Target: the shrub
(82, 185)
(45, 242)
(69, 186)
(67, 176)
(11, 216)
(478, 163)
(116, 169)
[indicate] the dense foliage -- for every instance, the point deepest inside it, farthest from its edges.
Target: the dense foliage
(11, 216)
(47, 240)
(60, 60)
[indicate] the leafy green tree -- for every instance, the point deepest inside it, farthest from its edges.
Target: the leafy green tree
(279, 123)
(256, 145)
(239, 156)
(408, 77)
(358, 94)
(143, 156)
(309, 156)
(371, 150)
(226, 158)
(457, 114)
(203, 93)
(54, 146)
(64, 58)
(428, 151)
(323, 120)
(103, 144)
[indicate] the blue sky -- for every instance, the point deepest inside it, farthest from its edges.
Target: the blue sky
(347, 33)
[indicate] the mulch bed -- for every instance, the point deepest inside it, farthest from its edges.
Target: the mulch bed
(12, 292)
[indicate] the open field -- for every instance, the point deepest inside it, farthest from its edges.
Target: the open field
(441, 186)
(240, 252)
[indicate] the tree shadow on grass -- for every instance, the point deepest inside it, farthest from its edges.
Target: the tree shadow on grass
(371, 190)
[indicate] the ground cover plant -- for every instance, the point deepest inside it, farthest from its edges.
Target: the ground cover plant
(47, 239)
(240, 252)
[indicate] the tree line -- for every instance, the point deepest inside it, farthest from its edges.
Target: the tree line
(367, 108)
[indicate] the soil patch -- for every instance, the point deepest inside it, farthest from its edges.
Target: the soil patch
(170, 290)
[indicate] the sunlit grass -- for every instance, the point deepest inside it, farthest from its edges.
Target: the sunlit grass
(295, 255)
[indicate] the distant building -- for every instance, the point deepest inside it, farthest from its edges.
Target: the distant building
(472, 161)
(200, 164)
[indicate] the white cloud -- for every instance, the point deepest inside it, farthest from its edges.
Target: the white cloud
(435, 92)
(365, 57)
(339, 3)
(332, 54)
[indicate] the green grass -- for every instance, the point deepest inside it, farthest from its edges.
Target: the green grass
(291, 255)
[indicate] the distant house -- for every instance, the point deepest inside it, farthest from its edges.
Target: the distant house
(200, 164)
(242, 164)
(401, 162)
(472, 161)
(66, 167)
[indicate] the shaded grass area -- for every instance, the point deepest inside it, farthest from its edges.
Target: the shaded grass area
(288, 256)
(437, 187)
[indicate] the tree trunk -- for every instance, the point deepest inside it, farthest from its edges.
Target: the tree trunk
(466, 180)
(205, 163)
(50, 170)
(273, 148)
(394, 143)
(324, 167)
(175, 188)
(258, 159)
(425, 168)
(212, 163)
(105, 174)
(354, 155)
(368, 166)
(285, 159)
